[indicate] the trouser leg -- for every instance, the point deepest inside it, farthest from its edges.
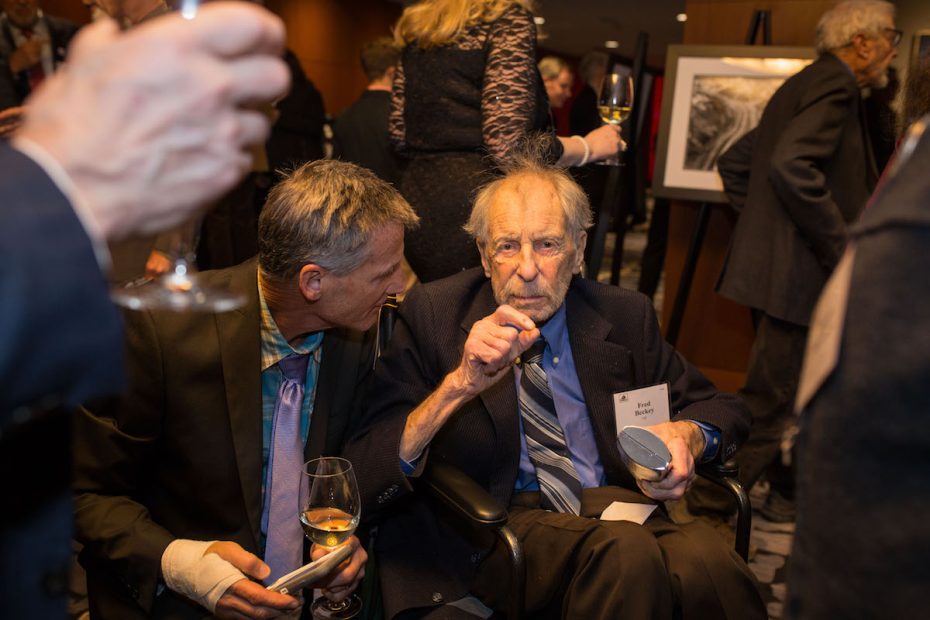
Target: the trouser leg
(709, 580)
(771, 385)
(769, 392)
(584, 568)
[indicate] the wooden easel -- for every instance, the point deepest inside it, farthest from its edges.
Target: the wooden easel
(761, 22)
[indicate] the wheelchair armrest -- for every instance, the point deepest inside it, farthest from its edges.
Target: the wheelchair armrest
(726, 475)
(717, 470)
(463, 495)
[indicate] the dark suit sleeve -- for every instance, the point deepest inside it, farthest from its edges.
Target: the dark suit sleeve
(797, 173)
(113, 439)
(61, 334)
(403, 380)
(734, 167)
(301, 116)
(693, 396)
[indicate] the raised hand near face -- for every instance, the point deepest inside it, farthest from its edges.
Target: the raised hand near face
(493, 344)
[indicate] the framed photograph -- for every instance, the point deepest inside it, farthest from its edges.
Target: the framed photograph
(712, 96)
(920, 48)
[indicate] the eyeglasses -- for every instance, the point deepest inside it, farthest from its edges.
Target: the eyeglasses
(896, 37)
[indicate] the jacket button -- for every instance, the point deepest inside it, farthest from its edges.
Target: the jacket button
(437, 597)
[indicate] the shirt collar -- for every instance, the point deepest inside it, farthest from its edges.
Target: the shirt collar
(275, 346)
(553, 331)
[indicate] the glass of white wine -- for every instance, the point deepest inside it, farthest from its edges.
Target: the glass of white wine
(329, 518)
(615, 101)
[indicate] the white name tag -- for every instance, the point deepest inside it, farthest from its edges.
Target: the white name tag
(642, 407)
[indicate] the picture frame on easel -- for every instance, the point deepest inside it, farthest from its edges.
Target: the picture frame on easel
(713, 95)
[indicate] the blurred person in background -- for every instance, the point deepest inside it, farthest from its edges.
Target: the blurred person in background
(557, 78)
(811, 172)
(32, 46)
(360, 134)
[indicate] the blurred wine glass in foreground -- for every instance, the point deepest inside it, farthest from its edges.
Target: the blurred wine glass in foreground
(178, 289)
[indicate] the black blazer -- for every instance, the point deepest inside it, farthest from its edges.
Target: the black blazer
(14, 88)
(617, 346)
(811, 173)
(180, 456)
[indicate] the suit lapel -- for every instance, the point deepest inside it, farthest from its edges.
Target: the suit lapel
(326, 383)
(240, 353)
(604, 368)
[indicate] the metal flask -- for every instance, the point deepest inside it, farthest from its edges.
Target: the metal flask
(643, 453)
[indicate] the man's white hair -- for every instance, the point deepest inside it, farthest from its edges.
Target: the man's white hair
(839, 25)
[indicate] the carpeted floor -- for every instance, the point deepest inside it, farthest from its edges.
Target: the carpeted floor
(773, 548)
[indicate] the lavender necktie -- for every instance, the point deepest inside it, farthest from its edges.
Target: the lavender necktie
(285, 489)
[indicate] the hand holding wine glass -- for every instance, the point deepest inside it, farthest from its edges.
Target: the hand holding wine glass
(615, 101)
(157, 104)
(331, 514)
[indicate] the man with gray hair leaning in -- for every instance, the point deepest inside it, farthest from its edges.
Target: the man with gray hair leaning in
(177, 481)
(520, 374)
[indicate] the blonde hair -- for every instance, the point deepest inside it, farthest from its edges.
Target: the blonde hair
(431, 23)
(550, 67)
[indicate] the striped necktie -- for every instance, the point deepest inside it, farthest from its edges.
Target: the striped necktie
(559, 483)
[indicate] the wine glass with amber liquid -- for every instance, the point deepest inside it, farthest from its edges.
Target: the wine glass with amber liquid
(615, 102)
(329, 518)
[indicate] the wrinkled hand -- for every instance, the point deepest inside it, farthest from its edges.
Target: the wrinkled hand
(247, 598)
(343, 581)
(685, 442)
(493, 344)
(152, 123)
(605, 142)
(27, 55)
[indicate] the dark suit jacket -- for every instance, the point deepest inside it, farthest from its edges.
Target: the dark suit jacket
(811, 174)
(616, 345)
(14, 88)
(180, 456)
(61, 343)
(862, 541)
(360, 135)
(297, 134)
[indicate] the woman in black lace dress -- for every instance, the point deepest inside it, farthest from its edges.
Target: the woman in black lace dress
(466, 92)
